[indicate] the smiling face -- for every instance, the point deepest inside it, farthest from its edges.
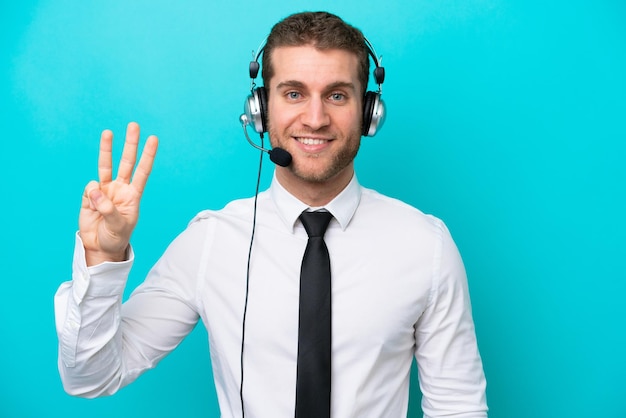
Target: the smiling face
(315, 112)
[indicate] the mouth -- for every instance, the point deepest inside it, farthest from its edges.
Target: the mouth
(311, 141)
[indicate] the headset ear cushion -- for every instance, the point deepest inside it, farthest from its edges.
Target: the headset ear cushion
(373, 113)
(368, 111)
(262, 97)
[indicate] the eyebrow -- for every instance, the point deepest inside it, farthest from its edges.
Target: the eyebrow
(299, 84)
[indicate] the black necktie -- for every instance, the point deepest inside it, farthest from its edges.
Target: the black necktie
(314, 332)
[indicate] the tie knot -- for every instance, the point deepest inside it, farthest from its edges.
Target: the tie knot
(315, 223)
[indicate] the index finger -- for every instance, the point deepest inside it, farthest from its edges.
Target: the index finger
(144, 168)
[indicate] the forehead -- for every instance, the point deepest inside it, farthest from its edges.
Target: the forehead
(309, 65)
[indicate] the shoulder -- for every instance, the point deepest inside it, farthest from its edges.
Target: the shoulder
(391, 211)
(233, 210)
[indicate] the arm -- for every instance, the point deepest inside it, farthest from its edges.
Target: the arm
(104, 344)
(98, 351)
(87, 312)
(449, 364)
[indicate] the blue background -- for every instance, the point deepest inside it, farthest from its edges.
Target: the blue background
(505, 118)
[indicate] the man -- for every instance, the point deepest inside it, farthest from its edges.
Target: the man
(399, 288)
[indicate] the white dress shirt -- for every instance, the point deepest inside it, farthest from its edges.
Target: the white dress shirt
(399, 290)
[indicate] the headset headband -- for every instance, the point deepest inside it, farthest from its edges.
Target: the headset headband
(379, 71)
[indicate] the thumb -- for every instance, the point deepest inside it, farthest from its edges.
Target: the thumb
(101, 203)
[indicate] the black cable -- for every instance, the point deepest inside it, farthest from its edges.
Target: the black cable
(245, 307)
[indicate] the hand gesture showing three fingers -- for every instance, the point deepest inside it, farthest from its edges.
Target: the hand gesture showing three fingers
(110, 208)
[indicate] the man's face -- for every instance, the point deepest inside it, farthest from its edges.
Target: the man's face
(315, 111)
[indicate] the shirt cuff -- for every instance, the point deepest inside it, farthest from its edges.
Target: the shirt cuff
(104, 279)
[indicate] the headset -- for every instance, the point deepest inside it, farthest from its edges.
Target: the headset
(255, 106)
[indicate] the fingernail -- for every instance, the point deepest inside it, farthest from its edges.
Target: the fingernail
(95, 195)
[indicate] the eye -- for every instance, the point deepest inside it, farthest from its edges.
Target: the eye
(293, 95)
(337, 97)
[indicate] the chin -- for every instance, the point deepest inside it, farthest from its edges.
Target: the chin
(316, 173)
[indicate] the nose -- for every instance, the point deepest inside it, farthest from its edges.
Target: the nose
(315, 115)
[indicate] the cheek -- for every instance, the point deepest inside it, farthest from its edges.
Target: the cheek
(279, 118)
(351, 121)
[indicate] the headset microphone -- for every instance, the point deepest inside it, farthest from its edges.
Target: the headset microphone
(277, 155)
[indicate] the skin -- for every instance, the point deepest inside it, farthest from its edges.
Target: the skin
(110, 208)
(315, 94)
(314, 112)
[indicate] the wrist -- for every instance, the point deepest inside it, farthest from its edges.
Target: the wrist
(93, 258)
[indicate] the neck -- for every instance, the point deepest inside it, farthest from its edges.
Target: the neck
(314, 193)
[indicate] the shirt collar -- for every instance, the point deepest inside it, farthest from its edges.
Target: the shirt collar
(342, 206)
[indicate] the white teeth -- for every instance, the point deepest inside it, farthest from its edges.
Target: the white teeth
(311, 141)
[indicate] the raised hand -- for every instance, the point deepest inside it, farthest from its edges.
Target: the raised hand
(110, 208)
